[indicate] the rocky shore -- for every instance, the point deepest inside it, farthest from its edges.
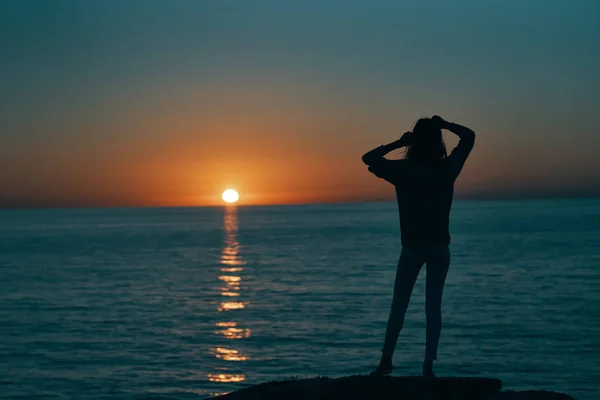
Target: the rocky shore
(364, 387)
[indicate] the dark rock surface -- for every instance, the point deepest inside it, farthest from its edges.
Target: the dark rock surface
(359, 387)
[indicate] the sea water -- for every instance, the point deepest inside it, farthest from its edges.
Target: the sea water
(191, 302)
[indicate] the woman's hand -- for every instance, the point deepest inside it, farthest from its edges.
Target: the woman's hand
(439, 121)
(404, 140)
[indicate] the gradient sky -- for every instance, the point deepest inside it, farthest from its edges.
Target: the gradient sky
(110, 102)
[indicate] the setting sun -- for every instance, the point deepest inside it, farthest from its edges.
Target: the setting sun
(230, 196)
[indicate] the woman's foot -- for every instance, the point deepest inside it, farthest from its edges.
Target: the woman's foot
(428, 369)
(384, 368)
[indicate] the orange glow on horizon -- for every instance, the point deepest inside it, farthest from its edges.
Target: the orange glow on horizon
(279, 153)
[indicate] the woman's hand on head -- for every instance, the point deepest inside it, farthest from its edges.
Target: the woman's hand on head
(439, 121)
(404, 140)
(406, 135)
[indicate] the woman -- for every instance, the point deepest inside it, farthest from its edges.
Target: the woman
(424, 182)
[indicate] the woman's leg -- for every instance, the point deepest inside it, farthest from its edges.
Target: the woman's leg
(438, 262)
(409, 265)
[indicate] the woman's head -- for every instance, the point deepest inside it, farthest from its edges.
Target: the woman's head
(426, 143)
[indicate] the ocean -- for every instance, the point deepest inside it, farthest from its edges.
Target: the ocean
(185, 303)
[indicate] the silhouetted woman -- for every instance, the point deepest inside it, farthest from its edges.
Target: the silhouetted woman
(424, 182)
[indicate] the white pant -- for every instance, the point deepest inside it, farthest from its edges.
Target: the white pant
(409, 265)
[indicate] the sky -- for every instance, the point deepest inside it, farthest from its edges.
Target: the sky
(169, 103)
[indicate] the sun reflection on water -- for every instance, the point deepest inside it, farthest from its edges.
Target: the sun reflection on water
(226, 378)
(230, 278)
(229, 354)
(231, 305)
(231, 332)
(231, 268)
(221, 324)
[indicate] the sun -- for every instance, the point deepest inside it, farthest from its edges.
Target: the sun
(230, 196)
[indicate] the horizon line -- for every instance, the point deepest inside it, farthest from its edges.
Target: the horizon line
(483, 198)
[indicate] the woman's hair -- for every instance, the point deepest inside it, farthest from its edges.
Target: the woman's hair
(426, 142)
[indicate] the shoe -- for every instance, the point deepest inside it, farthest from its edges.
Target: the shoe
(384, 368)
(428, 369)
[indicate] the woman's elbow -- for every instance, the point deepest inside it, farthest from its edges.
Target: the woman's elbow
(367, 159)
(470, 136)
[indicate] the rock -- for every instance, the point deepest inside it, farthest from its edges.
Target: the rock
(532, 395)
(360, 387)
